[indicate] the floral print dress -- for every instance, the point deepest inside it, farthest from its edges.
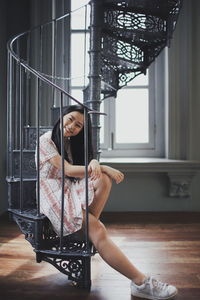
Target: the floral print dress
(51, 191)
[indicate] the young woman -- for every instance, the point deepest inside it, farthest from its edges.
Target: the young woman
(99, 186)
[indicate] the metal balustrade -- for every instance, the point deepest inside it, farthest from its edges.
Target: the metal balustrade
(32, 99)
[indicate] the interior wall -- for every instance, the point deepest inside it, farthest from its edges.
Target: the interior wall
(195, 85)
(141, 192)
(3, 190)
(14, 19)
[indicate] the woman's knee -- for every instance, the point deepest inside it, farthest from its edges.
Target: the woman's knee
(97, 231)
(107, 180)
(104, 181)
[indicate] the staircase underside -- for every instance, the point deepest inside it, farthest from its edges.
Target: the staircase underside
(134, 32)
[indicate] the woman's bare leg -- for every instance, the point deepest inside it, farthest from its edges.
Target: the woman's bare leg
(99, 237)
(102, 187)
(110, 252)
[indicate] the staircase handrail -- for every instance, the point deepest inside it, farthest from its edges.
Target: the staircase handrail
(37, 73)
(87, 110)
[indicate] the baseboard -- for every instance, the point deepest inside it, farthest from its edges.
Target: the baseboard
(5, 217)
(139, 217)
(150, 217)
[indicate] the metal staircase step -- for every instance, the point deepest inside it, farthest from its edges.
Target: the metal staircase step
(29, 214)
(73, 245)
(65, 253)
(137, 37)
(158, 8)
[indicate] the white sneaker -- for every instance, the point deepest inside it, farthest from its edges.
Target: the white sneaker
(153, 289)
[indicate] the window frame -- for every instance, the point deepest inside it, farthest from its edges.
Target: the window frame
(84, 32)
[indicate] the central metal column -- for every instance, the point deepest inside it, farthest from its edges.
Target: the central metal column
(94, 89)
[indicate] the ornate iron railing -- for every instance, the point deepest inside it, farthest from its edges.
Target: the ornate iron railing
(29, 117)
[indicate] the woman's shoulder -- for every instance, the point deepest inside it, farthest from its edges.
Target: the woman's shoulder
(46, 141)
(47, 147)
(46, 136)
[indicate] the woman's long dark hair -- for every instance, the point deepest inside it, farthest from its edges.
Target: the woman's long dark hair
(77, 142)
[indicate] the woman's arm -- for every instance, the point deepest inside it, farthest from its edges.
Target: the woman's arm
(69, 170)
(113, 173)
(94, 169)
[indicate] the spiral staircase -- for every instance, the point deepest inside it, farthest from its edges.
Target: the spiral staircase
(133, 34)
(125, 38)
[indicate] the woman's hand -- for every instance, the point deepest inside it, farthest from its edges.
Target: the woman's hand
(94, 169)
(113, 173)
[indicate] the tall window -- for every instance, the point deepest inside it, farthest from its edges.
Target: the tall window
(134, 126)
(79, 47)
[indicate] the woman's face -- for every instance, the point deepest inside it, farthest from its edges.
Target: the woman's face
(73, 123)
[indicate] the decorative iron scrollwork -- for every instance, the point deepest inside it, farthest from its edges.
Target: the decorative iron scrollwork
(29, 169)
(31, 136)
(133, 34)
(27, 228)
(120, 20)
(72, 267)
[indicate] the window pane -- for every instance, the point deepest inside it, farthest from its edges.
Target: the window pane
(78, 94)
(78, 17)
(77, 61)
(78, 3)
(102, 118)
(132, 116)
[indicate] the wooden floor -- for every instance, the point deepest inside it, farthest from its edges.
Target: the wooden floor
(170, 251)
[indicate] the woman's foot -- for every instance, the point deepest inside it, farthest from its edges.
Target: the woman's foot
(153, 289)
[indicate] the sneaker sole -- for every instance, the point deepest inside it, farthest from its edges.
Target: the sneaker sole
(140, 295)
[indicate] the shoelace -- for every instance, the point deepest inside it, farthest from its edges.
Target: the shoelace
(157, 284)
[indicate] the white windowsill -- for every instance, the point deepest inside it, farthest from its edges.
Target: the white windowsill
(179, 172)
(129, 164)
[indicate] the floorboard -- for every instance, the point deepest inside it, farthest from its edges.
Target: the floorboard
(170, 251)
